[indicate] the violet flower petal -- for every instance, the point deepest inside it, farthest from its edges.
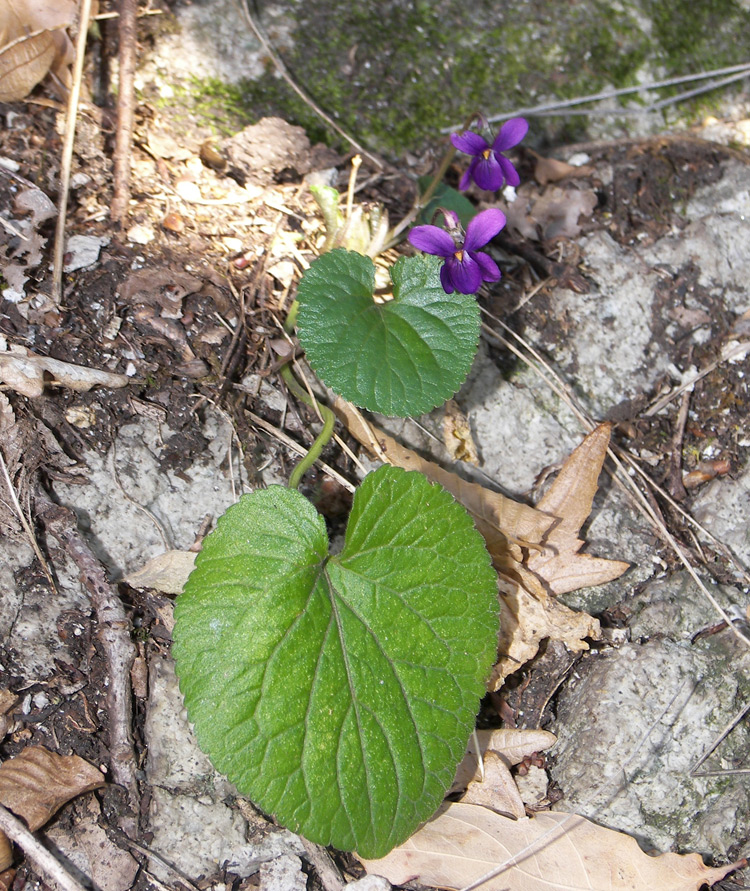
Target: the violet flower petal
(465, 181)
(509, 171)
(469, 142)
(465, 274)
(487, 266)
(487, 173)
(510, 134)
(482, 228)
(445, 279)
(432, 240)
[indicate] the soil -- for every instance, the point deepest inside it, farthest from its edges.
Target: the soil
(187, 302)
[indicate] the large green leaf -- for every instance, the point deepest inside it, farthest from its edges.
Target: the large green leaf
(338, 692)
(402, 357)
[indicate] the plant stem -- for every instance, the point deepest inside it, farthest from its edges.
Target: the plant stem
(291, 317)
(322, 439)
(394, 234)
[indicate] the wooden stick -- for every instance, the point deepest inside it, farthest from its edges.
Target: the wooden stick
(49, 868)
(125, 110)
(114, 634)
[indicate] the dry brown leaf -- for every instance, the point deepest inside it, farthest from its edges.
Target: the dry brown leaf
(166, 572)
(464, 842)
(497, 790)
(87, 846)
(500, 750)
(6, 852)
(513, 745)
(23, 63)
(569, 498)
(32, 42)
(24, 372)
(550, 170)
(551, 214)
(527, 620)
(36, 783)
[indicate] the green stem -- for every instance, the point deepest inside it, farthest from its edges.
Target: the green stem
(322, 439)
(291, 317)
(393, 236)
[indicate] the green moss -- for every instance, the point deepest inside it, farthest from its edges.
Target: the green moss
(393, 74)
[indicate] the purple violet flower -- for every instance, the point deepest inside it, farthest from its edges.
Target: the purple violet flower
(488, 168)
(465, 268)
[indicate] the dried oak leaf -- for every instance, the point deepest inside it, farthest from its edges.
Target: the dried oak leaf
(504, 523)
(550, 170)
(527, 619)
(500, 749)
(32, 43)
(464, 842)
(570, 497)
(36, 783)
(551, 213)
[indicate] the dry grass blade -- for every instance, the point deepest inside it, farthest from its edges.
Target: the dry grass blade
(66, 159)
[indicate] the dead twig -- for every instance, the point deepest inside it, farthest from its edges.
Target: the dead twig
(127, 31)
(113, 630)
(327, 871)
(67, 152)
(48, 867)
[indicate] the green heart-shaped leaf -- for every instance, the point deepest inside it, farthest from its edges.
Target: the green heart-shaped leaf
(338, 692)
(402, 357)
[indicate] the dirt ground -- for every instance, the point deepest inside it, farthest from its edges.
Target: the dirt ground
(186, 301)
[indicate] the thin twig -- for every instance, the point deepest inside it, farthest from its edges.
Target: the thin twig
(565, 104)
(113, 630)
(128, 36)
(327, 871)
(48, 867)
(281, 68)
(66, 160)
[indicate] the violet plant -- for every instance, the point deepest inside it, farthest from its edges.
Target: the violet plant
(338, 691)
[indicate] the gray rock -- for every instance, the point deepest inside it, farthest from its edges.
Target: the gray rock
(723, 507)
(283, 874)
(633, 722)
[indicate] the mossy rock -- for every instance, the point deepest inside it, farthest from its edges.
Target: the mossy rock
(395, 73)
